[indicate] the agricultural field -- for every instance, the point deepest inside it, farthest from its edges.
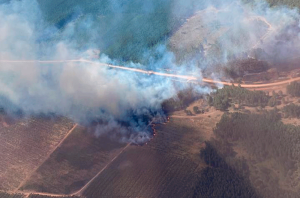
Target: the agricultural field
(24, 145)
(45, 196)
(74, 163)
(7, 195)
(19, 195)
(145, 173)
(166, 167)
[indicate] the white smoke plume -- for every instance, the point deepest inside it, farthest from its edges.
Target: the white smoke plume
(120, 99)
(81, 91)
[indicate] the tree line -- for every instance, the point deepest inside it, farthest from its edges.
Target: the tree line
(222, 98)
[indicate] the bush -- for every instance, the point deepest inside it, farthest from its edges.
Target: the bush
(196, 110)
(293, 89)
(188, 112)
(272, 102)
(291, 110)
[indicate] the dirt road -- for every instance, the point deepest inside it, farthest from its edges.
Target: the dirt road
(253, 85)
(185, 78)
(191, 79)
(79, 192)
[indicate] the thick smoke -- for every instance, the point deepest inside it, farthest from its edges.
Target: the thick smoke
(123, 102)
(239, 30)
(120, 101)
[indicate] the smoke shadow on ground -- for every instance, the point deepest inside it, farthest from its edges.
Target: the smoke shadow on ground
(219, 179)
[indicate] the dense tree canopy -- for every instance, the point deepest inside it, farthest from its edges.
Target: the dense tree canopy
(221, 98)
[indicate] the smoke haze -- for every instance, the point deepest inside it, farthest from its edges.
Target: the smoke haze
(134, 34)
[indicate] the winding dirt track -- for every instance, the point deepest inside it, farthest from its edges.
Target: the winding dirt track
(80, 191)
(191, 79)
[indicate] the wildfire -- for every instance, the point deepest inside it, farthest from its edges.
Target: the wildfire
(168, 120)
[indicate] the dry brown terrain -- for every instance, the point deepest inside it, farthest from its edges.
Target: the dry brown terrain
(197, 32)
(166, 167)
(24, 145)
(74, 163)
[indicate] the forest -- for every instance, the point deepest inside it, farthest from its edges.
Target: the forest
(222, 98)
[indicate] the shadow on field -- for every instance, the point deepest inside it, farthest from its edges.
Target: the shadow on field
(220, 179)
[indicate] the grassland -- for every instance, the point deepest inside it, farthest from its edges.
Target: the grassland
(74, 163)
(25, 144)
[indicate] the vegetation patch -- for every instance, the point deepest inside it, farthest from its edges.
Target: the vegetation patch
(293, 89)
(74, 163)
(222, 98)
(272, 145)
(181, 101)
(239, 67)
(219, 179)
(291, 111)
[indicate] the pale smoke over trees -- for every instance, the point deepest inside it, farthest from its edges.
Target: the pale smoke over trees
(81, 91)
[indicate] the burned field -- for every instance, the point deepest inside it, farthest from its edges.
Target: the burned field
(74, 163)
(25, 144)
